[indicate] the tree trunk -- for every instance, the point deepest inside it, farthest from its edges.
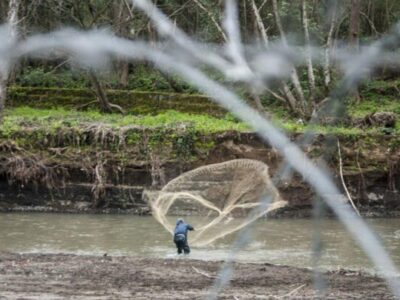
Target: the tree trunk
(260, 24)
(289, 97)
(3, 95)
(294, 76)
(310, 69)
(122, 18)
(328, 47)
(12, 20)
(100, 93)
(354, 27)
(123, 73)
(354, 31)
(2, 11)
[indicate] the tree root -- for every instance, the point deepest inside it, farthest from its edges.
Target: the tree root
(23, 170)
(342, 179)
(99, 188)
(112, 105)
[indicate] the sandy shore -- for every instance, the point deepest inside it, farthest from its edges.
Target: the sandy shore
(59, 276)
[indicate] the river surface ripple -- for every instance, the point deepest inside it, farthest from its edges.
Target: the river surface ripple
(284, 241)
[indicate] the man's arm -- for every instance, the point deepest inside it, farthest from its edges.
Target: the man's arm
(190, 227)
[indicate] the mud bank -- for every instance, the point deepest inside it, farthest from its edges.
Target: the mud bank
(102, 178)
(59, 276)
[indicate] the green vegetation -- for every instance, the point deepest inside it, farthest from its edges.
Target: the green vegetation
(292, 127)
(141, 78)
(133, 102)
(377, 96)
(54, 118)
(167, 125)
(170, 134)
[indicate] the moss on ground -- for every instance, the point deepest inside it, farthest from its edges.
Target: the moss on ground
(377, 96)
(53, 119)
(134, 102)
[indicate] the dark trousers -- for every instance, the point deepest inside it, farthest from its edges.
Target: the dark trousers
(181, 244)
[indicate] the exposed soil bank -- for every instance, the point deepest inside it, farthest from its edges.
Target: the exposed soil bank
(81, 182)
(59, 276)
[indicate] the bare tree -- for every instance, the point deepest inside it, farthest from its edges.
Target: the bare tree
(105, 105)
(289, 97)
(212, 18)
(294, 76)
(310, 69)
(12, 20)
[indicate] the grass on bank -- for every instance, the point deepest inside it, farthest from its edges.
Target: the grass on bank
(54, 118)
(27, 117)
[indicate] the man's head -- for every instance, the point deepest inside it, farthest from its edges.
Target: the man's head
(180, 220)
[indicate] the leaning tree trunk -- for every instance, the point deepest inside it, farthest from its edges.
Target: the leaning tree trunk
(310, 69)
(105, 105)
(12, 20)
(100, 93)
(288, 95)
(294, 76)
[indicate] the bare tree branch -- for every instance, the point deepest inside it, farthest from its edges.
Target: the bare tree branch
(342, 179)
(260, 23)
(212, 18)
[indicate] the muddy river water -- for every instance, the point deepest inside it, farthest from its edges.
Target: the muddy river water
(286, 241)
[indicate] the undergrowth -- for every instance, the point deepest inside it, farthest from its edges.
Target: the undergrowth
(54, 118)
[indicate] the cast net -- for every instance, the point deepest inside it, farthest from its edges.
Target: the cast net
(227, 196)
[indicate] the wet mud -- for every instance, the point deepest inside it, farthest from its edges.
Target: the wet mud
(61, 276)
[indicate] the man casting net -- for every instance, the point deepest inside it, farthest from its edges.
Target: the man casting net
(220, 193)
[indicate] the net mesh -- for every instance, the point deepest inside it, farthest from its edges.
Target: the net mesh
(220, 193)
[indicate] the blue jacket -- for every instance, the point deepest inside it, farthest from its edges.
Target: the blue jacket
(182, 228)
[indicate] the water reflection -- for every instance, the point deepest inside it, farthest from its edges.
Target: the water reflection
(285, 241)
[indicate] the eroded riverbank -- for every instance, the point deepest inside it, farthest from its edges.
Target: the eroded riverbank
(50, 276)
(70, 161)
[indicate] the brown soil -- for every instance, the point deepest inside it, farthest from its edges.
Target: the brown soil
(59, 276)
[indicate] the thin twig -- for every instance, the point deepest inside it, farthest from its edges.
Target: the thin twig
(204, 273)
(276, 95)
(82, 106)
(212, 18)
(58, 66)
(291, 293)
(343, 183)
(129, 8)
(262, 4)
